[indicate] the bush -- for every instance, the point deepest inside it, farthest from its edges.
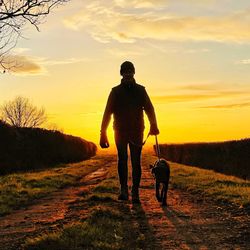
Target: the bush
(33, 148)
(232, 157)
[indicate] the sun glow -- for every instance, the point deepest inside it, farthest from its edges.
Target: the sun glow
(191, 56)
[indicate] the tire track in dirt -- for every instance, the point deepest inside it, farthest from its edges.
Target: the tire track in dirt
(48, 214)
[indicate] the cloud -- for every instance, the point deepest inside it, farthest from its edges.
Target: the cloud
(19, 50)
(228, 106)
(25, 65)
(107, 23)
(156, 3)
(182, 98)
(125, 53)
(200, 87)
(30, 65)
(244, 61)
(62, 62)
(176, 49)
(139, 3)
(203, 95)
(89, 113)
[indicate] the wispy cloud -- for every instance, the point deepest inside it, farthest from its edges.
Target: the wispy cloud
(25, 65)
(139, 3)
(124, 53)
(107, 22)
(50, 62)
(183, 98)
(31, 65)
(156, 3)
(244, 61)
(89, 113)
(228, 106)
(200, 87)
(19, 50)
(200, 94)
(176, 49)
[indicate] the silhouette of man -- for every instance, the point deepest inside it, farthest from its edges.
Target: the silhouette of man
(126, 102)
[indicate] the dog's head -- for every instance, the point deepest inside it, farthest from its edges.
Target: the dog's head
(160, 170)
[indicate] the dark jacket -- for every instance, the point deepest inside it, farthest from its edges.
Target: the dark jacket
(126, 102)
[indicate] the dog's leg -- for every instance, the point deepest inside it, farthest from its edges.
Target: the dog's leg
(164, 195)
(157, 193)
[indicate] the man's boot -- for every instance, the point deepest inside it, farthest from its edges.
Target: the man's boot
(123, 194)
(135, 196)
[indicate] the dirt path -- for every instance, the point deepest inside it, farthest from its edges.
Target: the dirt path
(49, 214)
(187, 223)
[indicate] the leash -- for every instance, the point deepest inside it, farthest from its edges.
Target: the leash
(157, 147)
(158, 152)
(140, 145)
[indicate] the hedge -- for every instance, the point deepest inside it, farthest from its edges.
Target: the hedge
(33, 148)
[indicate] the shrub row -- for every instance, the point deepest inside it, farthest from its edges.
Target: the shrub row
(33, 148)
(231, 157)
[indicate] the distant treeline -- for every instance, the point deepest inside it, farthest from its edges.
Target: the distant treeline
(33, 148)
(231, 157)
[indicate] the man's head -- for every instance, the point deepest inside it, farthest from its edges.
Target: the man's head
(127, 70)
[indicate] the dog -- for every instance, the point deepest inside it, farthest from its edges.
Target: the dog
(161, 173)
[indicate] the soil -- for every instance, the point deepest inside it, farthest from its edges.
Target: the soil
(188, 221)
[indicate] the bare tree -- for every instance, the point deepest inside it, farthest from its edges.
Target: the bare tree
(14, 15)
(21, 113)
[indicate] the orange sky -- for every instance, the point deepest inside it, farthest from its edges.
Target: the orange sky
(192, 56)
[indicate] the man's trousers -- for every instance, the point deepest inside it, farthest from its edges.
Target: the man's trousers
(134, 141)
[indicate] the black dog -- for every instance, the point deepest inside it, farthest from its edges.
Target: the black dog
(161, 172)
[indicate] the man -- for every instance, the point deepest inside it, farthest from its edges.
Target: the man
(126, 102)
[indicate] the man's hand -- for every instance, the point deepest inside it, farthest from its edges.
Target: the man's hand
(104, 143)
(154, 130)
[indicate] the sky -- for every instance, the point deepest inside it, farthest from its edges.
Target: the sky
(192, 56)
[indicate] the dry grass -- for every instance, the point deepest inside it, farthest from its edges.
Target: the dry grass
(102, 230)
(207, 183)
(211, 184)
(22, 189)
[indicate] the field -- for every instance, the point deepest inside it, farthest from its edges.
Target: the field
(75, 206)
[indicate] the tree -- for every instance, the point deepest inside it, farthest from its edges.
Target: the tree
(14, 15)
(21, 113)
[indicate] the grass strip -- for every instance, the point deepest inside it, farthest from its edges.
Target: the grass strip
(102, 230)
(207, 183)
(21, 189)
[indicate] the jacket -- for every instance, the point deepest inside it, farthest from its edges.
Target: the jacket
(126, 102)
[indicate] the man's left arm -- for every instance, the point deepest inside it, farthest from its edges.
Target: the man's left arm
(149, 109)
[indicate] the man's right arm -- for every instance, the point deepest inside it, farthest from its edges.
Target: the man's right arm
(105, 121)
(108, 112)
